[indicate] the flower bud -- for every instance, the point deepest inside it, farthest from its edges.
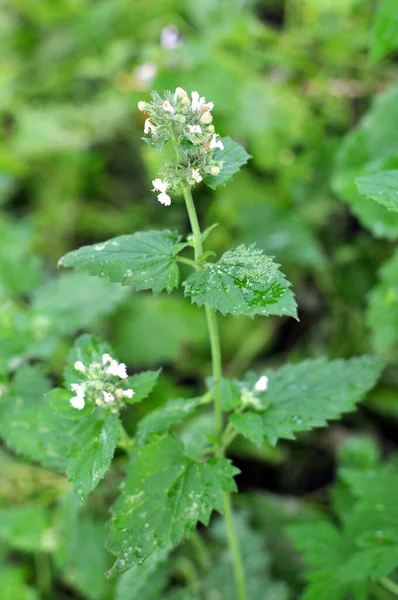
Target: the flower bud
(215, 170)
(210, 129)
(206, 118)
(185, 100)
(181, 93)
(79, 366)
(141, 105)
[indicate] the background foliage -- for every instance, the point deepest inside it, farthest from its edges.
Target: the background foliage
(309, 88)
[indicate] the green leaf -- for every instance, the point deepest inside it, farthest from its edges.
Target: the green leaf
(382, 312)
(250, 425)
(233, 157)
(306, 395)
(384, 30)
(142, 384)
(243, 282)
(91, 452)
(29, 425)
(146, 581)
(75, 301)
(164, 496)
(161, 419)
(13, 585)
(59, 400)
(381, 187)
(145, 260)
(26, 528)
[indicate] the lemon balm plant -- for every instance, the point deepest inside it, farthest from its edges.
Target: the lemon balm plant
(170, 486)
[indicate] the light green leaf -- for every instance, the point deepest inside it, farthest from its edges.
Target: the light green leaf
(384, 30)
(381, 187)
(75, 301)
(29, 425)
(306, 395)
(145, 260)
(142, 384)
(26, 528)
(13, 585)
(250, 425)
(161, 419)
(382, 312)
(91, 452)
(243, 282)
(146, 581)
(233, 157)
(165, 494)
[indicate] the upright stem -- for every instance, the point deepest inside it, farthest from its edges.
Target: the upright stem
(217, 376)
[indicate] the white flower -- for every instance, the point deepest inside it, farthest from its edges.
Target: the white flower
(180, 94)
(79, 366)
(108, 397)
(262, 384)
(206, 117)
(215, 143)
(77, 402)
(161, 186)
(215, 170)
(117, 369)
(149, 126)
(128, 393)
(106, 358)
(196, 101)
(196, 176)
(141, 105)
(167, 107)
(194, 129)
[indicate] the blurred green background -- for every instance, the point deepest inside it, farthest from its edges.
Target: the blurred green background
(291, 81)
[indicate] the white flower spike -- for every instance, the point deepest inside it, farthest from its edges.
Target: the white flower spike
(262, 384)
(161, 186)
(215, 143)
(196, 176)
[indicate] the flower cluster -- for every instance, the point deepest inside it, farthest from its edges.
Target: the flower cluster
(187, 123)
(103, 383)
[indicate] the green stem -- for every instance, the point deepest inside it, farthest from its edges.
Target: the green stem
(201, 550)
(217, 376)
(43, 574)
(186, 261)
(391, 586)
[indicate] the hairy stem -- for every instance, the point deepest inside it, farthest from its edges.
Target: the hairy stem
(217, 375)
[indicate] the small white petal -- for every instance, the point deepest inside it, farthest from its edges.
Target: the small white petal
(78, 389)
(262, 384)
(108, 397)
(106, 358)
(196, 176)
(121, 371)
(159, 185)
(164, 199)
(79, 366)
(194, 129)
(77, 402)
(128, 393)
(149, 126)
(215, 143)
(167, 107)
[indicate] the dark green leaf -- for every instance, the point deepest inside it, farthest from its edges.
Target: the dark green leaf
(164, 496)
(142, 384)
(91, 452)
(161, 419)
(249, 424)
(145, 260)
(243, 282)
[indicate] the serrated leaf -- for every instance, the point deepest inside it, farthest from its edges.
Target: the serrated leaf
(161, 419)
(142, 384)
(145, 260)
(381, 187)
(91, 452)
(306, 395)
(25, 527)
(74, 301)
(233, 157)
(165, 494)
(59, 400)
(250, 425)
(384, 30)
(382, 310)
(146, 581)
(243, 282)
(29, 425)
